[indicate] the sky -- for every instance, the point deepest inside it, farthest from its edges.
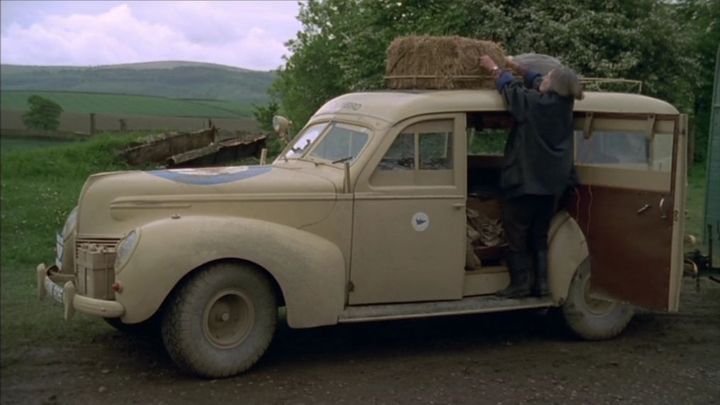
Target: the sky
(247, 34)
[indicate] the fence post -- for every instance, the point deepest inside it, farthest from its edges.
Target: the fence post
(92, 124)
(123, 125)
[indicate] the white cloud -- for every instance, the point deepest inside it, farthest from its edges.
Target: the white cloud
(245, 34)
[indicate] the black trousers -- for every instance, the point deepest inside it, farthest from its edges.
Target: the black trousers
(526, 221)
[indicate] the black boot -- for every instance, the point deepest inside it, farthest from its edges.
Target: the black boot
(540, 286)
(519, 266)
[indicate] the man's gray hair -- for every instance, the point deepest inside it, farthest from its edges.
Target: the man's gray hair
(564, 81)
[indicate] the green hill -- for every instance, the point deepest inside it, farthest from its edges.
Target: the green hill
(172, 79)
(129, 104)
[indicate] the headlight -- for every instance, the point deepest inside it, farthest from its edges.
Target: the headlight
(125, 248)
(70, 223)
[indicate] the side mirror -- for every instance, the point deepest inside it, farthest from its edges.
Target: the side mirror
(281, 125)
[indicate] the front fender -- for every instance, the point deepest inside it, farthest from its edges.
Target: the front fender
(310, 270)
(567, 249)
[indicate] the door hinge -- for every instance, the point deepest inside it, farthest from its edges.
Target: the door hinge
(350, 286)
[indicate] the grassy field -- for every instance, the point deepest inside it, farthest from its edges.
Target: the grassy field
(131, 105)
(237, 108)
(12, 143)
(695, 205)
(39, 187)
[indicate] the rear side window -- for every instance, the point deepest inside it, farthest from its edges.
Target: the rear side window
(487, 133)
(624, 149)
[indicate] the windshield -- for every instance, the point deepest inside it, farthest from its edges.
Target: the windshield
(307, 138)
(343, 143)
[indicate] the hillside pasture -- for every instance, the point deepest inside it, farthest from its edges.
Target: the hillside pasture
(70, 122)
(237, 108)
(167, 79)
(122, 104)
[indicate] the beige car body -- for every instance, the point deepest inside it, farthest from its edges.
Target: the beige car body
(327, 233)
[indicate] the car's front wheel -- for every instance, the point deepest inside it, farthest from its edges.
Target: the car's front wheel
(220, 320)
(590, 317)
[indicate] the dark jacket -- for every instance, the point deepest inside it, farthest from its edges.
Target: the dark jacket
(539, 150)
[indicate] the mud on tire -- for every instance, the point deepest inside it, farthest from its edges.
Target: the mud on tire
(220, 320)
(590, 318)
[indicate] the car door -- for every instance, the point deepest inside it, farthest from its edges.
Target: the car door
(630, 204)
(408, 239)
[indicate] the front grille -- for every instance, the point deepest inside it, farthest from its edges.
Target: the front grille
(102, 242)
(95, 272)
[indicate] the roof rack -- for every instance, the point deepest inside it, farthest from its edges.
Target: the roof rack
(612, 85)
(449, 82)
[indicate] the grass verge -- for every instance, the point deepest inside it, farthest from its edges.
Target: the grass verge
(38, 188)
(695, 205)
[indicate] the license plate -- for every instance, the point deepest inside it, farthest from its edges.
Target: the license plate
(59, 247)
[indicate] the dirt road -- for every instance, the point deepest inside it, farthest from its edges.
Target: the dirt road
(499, 358)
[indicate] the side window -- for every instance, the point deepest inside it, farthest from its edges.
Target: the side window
(435, 150)
(401, 155)
(421, 154)
(624, 149)
(487, 133)
(662, 152)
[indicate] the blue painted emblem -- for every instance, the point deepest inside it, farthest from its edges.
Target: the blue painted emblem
(211, 175)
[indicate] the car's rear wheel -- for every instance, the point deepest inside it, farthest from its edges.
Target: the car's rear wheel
(221, 320)
(591, 317)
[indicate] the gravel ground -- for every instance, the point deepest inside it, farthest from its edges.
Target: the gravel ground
(511, 358)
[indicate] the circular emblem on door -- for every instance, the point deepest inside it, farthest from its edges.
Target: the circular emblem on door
(420, 221)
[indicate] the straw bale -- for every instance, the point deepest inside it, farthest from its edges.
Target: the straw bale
(433, 62)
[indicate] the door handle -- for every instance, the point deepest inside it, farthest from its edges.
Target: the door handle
(643, 209)
(458, 206)
(663, 214)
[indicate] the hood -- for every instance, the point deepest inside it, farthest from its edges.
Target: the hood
(113, 203)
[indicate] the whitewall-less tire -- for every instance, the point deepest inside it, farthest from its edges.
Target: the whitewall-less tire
(221, 320)
(589, 317)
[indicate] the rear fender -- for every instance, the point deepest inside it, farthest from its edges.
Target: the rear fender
(310, 270)
(567, 250)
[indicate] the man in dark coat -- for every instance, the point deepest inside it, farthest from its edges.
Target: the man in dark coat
(537, 167)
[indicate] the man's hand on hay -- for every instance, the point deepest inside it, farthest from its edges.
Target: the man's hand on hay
(488, 63)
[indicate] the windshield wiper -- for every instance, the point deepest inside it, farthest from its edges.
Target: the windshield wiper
(345, 159)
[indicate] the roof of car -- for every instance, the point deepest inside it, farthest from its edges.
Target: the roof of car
(394, 106)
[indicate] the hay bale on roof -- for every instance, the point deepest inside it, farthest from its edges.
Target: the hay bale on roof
(429, 62)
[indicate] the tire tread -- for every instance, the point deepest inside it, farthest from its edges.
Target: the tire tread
(178, 323)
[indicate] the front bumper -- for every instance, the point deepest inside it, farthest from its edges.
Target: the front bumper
(49, 282)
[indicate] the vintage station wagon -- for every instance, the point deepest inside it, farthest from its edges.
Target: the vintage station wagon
(366, 216)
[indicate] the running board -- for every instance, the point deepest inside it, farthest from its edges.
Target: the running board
(470, 305)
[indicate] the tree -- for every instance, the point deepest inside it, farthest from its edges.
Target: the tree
(343, 42)
(704, 18)
(43, 113)
(264, 114)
